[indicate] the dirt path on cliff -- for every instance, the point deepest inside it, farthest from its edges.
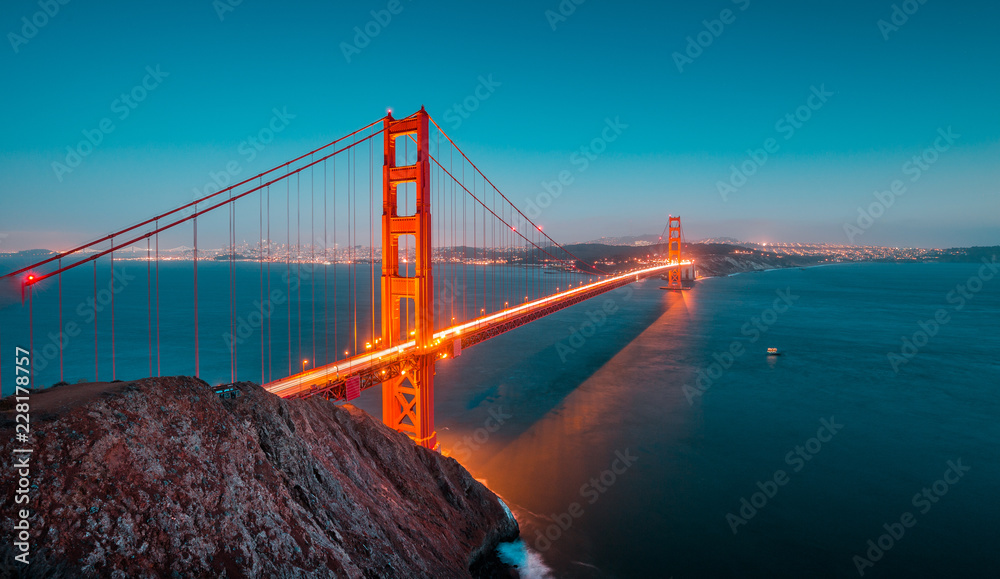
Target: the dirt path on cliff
(52, 403)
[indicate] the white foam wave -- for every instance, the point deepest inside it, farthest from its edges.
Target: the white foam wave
(528, 562)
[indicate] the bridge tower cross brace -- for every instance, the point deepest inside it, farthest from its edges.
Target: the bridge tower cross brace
(674, 251)
(408, 399)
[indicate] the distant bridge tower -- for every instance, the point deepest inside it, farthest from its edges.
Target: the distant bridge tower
(408, 399)
(674, 252)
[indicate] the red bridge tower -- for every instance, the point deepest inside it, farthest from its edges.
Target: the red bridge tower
(674, 252)
(408, 399)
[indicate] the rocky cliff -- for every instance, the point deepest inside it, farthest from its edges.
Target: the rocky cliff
(162, 478)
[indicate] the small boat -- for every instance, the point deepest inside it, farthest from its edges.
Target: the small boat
(773, 352)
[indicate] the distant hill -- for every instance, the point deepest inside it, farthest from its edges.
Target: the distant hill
(710, 258)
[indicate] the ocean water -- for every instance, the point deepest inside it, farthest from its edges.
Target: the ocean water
(102, 322)
(645, 433)
(546, 421)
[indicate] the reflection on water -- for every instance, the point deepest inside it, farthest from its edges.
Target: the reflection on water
(595, 430)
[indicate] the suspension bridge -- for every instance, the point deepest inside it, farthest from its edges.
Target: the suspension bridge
(385, 298)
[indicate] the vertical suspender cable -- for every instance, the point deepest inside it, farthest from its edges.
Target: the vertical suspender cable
(229, 280)
(354, 240)
(97, 373)
(298, 266)
(326, 270)
(232, 297)
(113, 358)
(475, 251)
(312, 254)
(371, 232)
(61, 329)
(265, 310)
(31, 334)
(270, 344)
(350, 243)
(197, 368)
(157, 299)
(336, 342)
(288, 265)
(149, 307)
(465, 249)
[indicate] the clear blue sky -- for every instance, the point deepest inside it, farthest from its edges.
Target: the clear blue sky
(606, 60)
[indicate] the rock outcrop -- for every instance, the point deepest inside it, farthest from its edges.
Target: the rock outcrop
(162, 478)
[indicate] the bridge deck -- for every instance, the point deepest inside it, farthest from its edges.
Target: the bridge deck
(374, 367)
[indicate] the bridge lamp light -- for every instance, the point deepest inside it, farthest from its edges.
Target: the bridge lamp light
(304, 362)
